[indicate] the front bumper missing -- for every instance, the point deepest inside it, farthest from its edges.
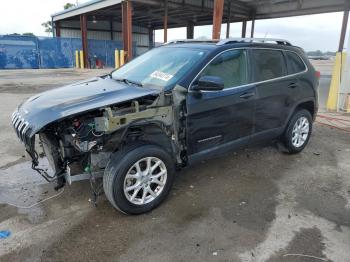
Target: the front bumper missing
(61, 174)
(22, 128)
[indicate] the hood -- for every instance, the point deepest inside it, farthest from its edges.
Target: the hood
(50, 106)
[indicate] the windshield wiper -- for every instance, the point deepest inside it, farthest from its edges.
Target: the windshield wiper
(128, 82)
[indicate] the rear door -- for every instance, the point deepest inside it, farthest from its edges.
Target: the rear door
(217, 121)
(274, 96)
(296, 69)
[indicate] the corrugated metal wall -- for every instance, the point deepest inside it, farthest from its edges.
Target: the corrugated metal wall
(17, 52)
(207, 3)
(102, 31)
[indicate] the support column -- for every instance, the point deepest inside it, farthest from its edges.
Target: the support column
(244, 28)
(343, 30)
(111, 28)
(343, 103)
(84, 39)
(166, 21)
(341, 72)
(190, 30)
(127, 28)
(58, 29)
(252, 28)
(217, 18)
(228, 24)
(150, 37)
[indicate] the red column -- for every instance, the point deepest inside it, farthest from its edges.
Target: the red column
(228, 24)
(244, 28)
(166, 21)
(150, 37)
(58, 29)
(83, 27)
(217, 18)
(343, 31)
(190, 30)
(127, 28)
(253, 28)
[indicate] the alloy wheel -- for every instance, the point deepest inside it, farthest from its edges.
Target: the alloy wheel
(145, 180)
(300, 133)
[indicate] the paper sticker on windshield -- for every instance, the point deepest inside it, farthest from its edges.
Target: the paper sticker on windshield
(162, 76)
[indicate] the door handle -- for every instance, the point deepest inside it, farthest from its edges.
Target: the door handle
(247, 95)
(293, 85)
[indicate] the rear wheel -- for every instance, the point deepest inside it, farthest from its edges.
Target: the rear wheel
(298, 131)
(138, 178)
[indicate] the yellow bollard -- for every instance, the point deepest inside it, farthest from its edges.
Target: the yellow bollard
(347, 103)
(117, 61)
(76, 59)
(81, 59)
(332, 101)
(122, 57)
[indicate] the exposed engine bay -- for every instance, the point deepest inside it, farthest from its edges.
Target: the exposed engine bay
(83, 143)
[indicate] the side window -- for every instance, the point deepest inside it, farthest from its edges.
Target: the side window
(295, 64)
(268, 64)
(231, 66)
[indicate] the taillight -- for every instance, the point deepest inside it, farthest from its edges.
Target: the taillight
(318, 74)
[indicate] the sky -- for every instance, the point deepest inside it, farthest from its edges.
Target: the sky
(314, 32)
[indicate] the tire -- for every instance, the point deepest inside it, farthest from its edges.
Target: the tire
(126, 162)
(297, 129)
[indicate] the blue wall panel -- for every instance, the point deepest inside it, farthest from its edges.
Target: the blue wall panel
(18, 52)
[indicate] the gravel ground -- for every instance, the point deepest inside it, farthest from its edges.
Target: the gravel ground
(257, 204)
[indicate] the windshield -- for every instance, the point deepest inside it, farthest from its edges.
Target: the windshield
(160, 67)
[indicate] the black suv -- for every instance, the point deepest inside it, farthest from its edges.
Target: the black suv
(177, 104)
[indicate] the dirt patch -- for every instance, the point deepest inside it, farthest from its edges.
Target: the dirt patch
(307, 242)
(326, 203)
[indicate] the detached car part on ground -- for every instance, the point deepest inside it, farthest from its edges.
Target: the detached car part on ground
(166, 109)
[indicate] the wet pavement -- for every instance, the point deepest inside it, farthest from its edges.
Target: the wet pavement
(254, 205)
(257, 204)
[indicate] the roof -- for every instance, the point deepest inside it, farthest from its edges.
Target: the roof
(200, 12)
(87, 7)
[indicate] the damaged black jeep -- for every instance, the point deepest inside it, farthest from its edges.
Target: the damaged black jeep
(174, 105)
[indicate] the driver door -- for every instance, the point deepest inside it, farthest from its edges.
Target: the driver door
(220, 121)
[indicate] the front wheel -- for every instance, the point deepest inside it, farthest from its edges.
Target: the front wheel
(298, 131)
(137, 179)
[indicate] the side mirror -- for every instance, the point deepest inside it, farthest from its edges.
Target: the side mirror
(209, 83)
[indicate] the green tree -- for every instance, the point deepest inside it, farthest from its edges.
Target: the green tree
(28, 34)
(48, 26)
(68, 5)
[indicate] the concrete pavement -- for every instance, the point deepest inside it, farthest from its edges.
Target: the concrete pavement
(257, 204)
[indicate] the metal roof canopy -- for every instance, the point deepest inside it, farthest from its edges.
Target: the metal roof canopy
(150, 13)
(164, 14)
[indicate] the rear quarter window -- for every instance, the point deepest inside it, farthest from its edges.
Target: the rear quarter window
(295, 64)
(268, 64)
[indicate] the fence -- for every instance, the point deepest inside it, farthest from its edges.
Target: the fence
(26, 52)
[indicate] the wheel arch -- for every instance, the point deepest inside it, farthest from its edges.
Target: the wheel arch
(149, 133)
(307, 104)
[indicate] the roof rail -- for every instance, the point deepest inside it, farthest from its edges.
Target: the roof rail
(254, 40)
(180, 41)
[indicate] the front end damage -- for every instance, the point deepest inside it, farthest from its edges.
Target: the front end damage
(83, 142)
